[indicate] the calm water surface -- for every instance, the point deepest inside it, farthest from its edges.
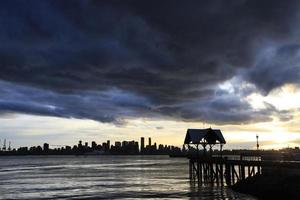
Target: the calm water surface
(102, 177)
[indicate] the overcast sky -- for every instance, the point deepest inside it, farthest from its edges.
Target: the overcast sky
(97, 70)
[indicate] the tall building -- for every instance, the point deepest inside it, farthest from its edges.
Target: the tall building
(104, 146)
(108, 144)
(149, 141)
(46, 147)
(118, 144)
(94, 145)
(124, 143)
(142, 144)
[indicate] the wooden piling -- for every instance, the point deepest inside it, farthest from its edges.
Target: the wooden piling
(191, 169)
(211, 173)
(232, 174)
(227, 173)
(221, 174)
(243, 172)
(200, 169)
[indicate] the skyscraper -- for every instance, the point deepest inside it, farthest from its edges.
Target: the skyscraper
(108, 144)
(118, 144)
(94, 145)
(149, 141)
(142, 144)
(46, 147)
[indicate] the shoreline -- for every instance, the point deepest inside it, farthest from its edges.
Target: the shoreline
(270, 186)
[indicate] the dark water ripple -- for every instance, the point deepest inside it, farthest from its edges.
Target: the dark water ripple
(102, 177)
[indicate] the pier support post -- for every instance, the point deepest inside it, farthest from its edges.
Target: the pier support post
(191, 169)
(211, 166)
(242, 172)
(200, 169)
(232, 174)
(217, 173)
(221, 173)
(227, 173)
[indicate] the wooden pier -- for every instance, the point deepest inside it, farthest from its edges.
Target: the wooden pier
(224, 171)
(204, 167)
(221, 171)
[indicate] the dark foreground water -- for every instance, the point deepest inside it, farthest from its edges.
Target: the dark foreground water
(102, 177)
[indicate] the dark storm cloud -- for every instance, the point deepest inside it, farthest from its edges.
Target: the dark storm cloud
(105, 106)
(225, 108)
(280, 65)
(163, 57)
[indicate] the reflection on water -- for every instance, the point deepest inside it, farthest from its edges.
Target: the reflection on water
(102, 177)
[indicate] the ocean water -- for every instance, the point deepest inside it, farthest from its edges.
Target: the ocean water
(103, 177)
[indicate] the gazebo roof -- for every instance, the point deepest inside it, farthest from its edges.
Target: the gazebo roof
(212, 136)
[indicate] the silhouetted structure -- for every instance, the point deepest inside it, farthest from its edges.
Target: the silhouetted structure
(94, 145)
(119, 148)
(204, 137)
(206, 168)
(142, 144)
(242, 167)
(108, 144)
(46, 147)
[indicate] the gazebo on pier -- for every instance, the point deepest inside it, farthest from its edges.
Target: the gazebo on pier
(204, 137)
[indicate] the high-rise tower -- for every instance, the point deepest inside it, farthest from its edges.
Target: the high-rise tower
(142, 144)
